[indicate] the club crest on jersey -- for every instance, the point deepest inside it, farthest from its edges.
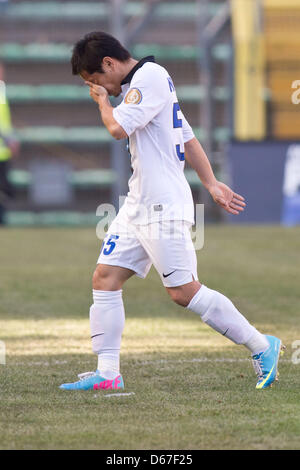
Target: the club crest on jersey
(134, 96)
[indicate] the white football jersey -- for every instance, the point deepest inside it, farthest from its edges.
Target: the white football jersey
(157, 130)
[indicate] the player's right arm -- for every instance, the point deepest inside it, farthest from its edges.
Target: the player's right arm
(100, 96)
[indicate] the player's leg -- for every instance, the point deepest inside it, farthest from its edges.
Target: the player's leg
(121, 256)
(107, 317)
(217, 311)
(175, 259)
(178, 254)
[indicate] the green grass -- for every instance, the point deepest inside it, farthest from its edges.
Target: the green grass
(193, 388)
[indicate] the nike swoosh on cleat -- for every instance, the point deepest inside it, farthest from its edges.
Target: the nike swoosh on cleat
(225, 332)
(166, 275)
(265, 380)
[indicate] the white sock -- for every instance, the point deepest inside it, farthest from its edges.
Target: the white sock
(107, 319)
(219, 312)
(257, 343)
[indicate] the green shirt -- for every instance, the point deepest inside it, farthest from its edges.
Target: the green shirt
(5, 128)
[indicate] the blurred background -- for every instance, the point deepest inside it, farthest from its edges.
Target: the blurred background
(236, 68)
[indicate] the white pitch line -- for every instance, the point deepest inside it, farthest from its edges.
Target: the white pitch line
(41, 363)
(119, 394)
(114, 395)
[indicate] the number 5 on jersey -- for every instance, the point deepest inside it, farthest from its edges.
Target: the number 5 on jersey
(109, 245)
(177, 123)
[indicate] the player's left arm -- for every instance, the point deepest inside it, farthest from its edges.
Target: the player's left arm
(220, 192)
(100, 96)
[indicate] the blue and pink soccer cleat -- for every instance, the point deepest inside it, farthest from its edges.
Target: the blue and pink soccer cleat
(94, 381)
(266, 363)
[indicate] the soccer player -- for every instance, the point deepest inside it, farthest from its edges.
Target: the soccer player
(160, 202)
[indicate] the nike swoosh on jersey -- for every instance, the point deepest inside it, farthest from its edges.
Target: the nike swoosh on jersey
(166, 275)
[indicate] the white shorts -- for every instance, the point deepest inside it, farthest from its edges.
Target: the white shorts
(165, 244)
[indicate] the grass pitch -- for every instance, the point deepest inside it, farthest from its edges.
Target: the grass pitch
(193, 389)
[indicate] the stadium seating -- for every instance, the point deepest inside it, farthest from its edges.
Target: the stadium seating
(72, 93)
(89, 135)
(70, 11)
(88, 178)
(35, 44)
(13, 52)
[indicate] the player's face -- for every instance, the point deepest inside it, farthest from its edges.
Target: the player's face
(110, 78)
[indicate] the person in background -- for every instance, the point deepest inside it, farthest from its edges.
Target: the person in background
(9, 147)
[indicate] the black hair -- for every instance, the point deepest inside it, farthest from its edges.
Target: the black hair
(89, 52)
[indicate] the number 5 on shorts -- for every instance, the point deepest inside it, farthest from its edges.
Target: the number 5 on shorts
(110, 244)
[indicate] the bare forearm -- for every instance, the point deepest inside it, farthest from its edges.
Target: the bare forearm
(106, 112)
(198, 160)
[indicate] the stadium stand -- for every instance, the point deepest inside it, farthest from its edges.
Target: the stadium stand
(35, 44)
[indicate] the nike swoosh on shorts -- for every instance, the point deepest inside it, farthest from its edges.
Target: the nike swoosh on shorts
(166, 275)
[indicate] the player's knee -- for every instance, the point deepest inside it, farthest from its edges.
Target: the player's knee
(97, 279)
(182, 295)
(104, 280)
(178, 296)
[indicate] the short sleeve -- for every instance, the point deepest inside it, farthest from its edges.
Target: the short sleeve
(187, 131)
(146, 98)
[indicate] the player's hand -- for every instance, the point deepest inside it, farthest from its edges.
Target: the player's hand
(97, 92)
(227, 199)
